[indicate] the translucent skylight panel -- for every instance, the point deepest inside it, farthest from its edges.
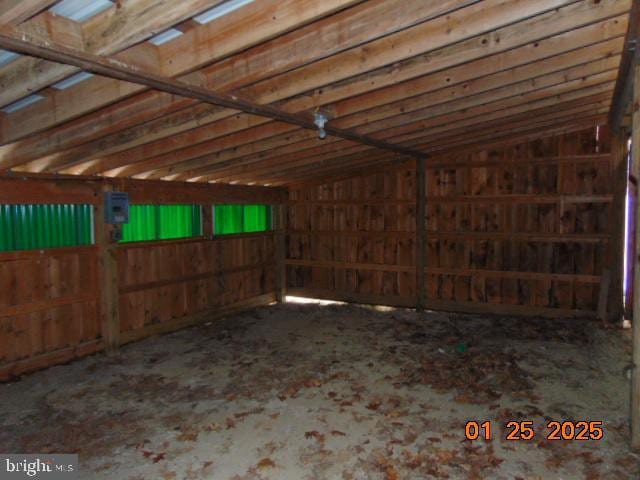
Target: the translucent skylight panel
(221, 10)
(6, 57)
(73, 80)
(80, 10)
(165, 37)
(22, 103)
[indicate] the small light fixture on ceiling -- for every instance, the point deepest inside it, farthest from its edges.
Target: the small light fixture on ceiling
(80, 10)
(165, 37)
(320, 121)
(22, 103)
(220, 11)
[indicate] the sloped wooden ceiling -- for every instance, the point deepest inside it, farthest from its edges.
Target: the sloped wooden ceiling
(426, 76)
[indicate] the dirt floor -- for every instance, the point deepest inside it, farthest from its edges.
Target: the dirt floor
(334, 392)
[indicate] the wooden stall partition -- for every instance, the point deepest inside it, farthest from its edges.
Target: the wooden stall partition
(49, 303)
(355, 239)
(168, 285)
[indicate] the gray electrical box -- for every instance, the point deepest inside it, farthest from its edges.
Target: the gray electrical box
(116, 208)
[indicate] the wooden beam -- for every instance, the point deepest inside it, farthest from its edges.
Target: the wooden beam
(421, 233)
(15, 12)
(78, 189)
(30, 45)
(630, 57)
(635, 382)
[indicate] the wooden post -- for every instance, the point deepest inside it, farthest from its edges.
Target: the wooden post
(280, 225)
(614, 307)
(421, 232)
(108, 275)
(635, 380)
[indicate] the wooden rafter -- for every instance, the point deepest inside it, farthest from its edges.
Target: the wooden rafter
(558, 24)
(548, 24)
(15, 12)
(110, 32)
(514, 61)
(518, 81)
(630, 58)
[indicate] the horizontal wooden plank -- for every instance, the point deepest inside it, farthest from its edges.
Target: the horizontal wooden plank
(192, 278)
(48, 252)
(466, 272)
(518, 236)
(208, 316)
(43, 305)
(351, 266)
(475, 199)
(12, 370)
(185, 241)
(362, 298)
(39, 188)
(446, 306)
(453, 162)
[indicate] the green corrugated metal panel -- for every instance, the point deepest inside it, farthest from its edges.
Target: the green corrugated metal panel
(230, 219)
(257, 218)
(162, 222)
(29, 227)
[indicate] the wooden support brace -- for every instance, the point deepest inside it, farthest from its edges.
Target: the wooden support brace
(421, 232)
(108, 276)
(280, 226)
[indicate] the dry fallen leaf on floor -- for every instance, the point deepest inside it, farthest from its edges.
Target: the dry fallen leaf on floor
(266, 463)
(158, 457)
(338, 433)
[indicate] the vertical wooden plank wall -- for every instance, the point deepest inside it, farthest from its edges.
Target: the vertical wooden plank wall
(519, 229)
(49, 303)
(60, 304)
(355, 239)
(523, 229)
